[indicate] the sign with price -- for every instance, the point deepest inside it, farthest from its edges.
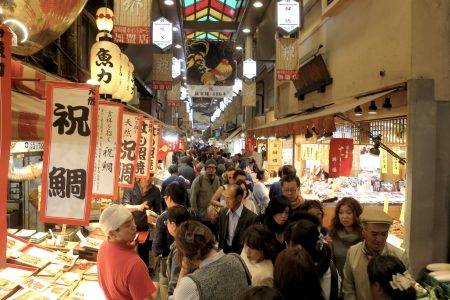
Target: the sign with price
(162, 33)
(288, 16)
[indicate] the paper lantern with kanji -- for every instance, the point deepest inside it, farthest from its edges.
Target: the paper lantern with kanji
(105, 65)
(124, 78)
(130, 86)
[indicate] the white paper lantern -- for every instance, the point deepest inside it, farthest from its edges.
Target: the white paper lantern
(124, 78)
(104, 19)
(130, 87)
(105, 66)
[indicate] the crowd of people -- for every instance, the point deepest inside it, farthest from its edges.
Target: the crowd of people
(222, 233)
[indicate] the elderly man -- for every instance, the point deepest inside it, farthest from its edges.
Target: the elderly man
(121, 273)
(233, 220)
(290, 186)
(375, 224)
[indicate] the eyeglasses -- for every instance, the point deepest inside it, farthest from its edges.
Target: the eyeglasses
(290, 190)
(211, 167)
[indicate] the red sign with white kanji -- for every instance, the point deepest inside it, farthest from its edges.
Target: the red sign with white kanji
(341, 157)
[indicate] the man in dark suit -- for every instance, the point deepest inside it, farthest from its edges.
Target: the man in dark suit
(233, 220)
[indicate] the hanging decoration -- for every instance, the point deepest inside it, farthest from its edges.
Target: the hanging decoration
(341, 157)
(162, 71)
(130, 85)
(249, 93)
(174, 95)
(132, 22)
(125, 75)
(287, 58)
(131, 131)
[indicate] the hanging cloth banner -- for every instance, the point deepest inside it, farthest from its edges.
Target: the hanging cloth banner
(69, 153)
(174, 95)
(164, 147)
(143, 161)
(132, 21)
(162, 71)
(287, 59)
(341, 157)
(250, 144)
(248, 93)
(5, 130)
(131, 135)
(155, 147)
(236, 106)
(107, 152)
(211, 68)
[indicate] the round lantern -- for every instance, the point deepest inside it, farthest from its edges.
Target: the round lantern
(130, 86)
(104, 19)
(105, 66)
(124, 74)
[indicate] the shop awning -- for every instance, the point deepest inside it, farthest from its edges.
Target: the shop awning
(321, 119)
(233, 135)
(28, 117)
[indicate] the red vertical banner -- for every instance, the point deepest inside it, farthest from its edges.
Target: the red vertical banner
(5, 130)
(143, 161)
(69, 153)
(131, 135)
(341, 157)
(250, 144)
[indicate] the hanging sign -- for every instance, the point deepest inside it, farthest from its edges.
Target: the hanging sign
(131, 22)
(131, 131)
(249, 68)
(341, 157)
(309, 152)
(162, 71)
(162, 33)
(250, 144)
(5, 130)
(248, 93)
(395, 163)
(176, 68)
(143, 161)
(155, 147)
(107, 152)
(287, 59)
(384, 161)
(274, 154)
(174, 95)
(288, 16)
(69, 154)
(105, 66)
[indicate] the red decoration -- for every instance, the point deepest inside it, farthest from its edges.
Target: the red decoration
(341, 157)
(250, 143)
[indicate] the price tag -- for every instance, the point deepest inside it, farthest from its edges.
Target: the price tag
(162, 33)
(288, 15)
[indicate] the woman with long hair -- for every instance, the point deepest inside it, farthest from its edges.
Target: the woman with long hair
(276, 219)
(345, 230)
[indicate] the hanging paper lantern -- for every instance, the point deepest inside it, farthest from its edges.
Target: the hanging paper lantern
(105, 65)
(104, 19)
(130, 87)
(124, 78)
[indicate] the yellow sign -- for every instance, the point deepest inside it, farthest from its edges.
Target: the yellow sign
(309, 152)
(274, 153)
(384, 161)
(395, 163)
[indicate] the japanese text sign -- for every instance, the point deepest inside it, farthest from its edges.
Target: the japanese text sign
(162, 71)
(5, 129)
(341, 157)
(162, 33)
(396, 163)
(384, 161)
(143, 161)
(288, 16)
(249, 69)
(69, 154)
(274, 153)
(132, 21)
(107, 152)
(287, 53)
(155, 147)
(131, 135)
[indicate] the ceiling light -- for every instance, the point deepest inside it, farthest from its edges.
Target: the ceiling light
(178, 46)
(387, 103)
(372, 108)
(175, 29)
(238, 48)
(184, 77)
(358, 111)
(169, 2)
(246, 30)
(257, 4)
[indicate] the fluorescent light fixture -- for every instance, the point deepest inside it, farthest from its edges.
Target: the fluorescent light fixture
(178, 46)
(246, 30)
(21, 26)
(183, 70)
(175, 29)
(169, 2)
(238, 48)
(257, 4)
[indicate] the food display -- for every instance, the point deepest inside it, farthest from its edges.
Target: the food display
(35, 284)
(51, 270)
(15, 243)
(87, 290)
(91, 243)
(10, 276)
(24, 295)
(64, 259)
(55, 292)
(68, 278)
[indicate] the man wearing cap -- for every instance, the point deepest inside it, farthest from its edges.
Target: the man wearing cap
(121, 272)
(375, 227)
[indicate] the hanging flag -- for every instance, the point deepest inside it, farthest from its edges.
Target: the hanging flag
(107, 152)
(156, 129)
(162, 71)
(395, 163)
(164, 147)
(340, 157)
(69, 155)
(250, 143)
(132, 22)
(287, 59)
(236, 106)
(5, 130)
(248, 93)
(174, 95)
(143, 162)
(384, 161)
(131, 134)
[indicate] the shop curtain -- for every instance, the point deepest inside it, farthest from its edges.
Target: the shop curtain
(341, 157)
(162, 71)
(287, 59)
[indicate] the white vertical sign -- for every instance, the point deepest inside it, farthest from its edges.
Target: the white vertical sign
(162, 33)
(249, 68)
(288, 15)
(131, 130)
(107, 152)
(155, 147)
(143, 162)
(176, 67)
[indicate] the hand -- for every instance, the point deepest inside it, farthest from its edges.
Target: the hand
(142, 206)
(151, 220)
(328, 239)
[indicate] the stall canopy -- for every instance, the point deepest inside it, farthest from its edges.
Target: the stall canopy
(322, 119)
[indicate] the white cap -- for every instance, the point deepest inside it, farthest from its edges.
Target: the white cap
(113, 217)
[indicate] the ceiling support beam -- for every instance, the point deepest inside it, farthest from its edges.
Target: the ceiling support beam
(209, 26)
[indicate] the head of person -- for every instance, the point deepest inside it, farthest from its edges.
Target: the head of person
(306, 234)
(146, 182)
(262, 175)
(290, 186)
(175, 216)
(259, 243)
(175, 194)
(230, 175)
(389, 279)
(244, 187)
(288, 170)
(346, 216)
(375, 228)
(173, 170)
(314, 208)
(210, 168)
(239, 175)
(194, 241)
(117, 223)
(233, 196)
(183, 161)
(261, 293)
(220, 169)
(277, 214)
(295, 271)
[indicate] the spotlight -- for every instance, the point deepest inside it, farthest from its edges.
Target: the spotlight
(387, 103)
(324, 136)
(308, 134)
(358, 111)
(372, 108)
(376, 146)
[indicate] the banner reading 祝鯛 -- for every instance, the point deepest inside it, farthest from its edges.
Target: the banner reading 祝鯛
(131, 134)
